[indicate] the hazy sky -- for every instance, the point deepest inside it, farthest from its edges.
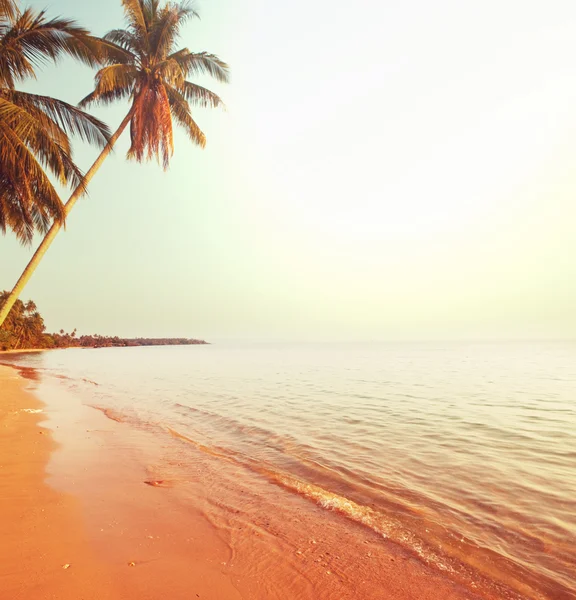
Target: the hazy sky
(384, 170)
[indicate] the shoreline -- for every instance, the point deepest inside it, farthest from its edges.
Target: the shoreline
(104, 493)
(27, 351)
(42, 529)
(34, 350)
(102, 530)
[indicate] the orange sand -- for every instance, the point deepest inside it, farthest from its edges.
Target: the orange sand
(43, 529)
(127, 540)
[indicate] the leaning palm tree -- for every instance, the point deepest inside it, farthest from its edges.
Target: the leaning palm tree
(34, 130)
(152, 74)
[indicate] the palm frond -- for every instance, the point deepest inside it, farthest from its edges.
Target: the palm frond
(8, 9)
(31, 40)
(166, 28)
(31, 124)
(125, 40)
(199, 95)
(169, 71)
(116, 77)
(109, 53)
(201, 63)
(70, 119)
(25, 132)
(104, 98)
(150, 10)
(15, 216)
(181, 113)
(134, 11)
(25, 218)
(28, 199)
(113, 82)
(46, 156)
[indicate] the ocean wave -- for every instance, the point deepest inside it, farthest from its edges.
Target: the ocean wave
(385, 526)
(446, 555)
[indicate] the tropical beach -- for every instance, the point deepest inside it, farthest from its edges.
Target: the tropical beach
(287, 300)
(49, 547)
(115, 538)
(239, 500)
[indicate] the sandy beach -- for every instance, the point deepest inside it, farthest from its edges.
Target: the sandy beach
(42, 529)
(49, 547)
(299, 357)
(95, 514)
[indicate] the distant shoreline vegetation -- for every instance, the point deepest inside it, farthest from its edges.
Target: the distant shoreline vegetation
(24, 329)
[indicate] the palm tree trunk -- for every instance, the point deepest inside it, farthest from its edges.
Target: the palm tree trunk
(53, 231)
(19, 338)
(18, 341)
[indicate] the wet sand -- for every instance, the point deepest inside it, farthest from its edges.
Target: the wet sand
(42, 529)
(83, 490)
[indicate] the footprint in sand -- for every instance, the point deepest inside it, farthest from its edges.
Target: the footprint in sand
(158, 482)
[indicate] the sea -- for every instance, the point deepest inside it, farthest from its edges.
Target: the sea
(462, 454)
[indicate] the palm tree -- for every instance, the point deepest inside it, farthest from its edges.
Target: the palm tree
(24, 328)
(150, 72)
(34, 129)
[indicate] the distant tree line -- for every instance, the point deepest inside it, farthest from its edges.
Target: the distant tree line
(24, 329)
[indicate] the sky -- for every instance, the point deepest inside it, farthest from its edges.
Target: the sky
(383, 170)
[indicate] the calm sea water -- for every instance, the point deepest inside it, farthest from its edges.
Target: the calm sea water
(463, 453)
